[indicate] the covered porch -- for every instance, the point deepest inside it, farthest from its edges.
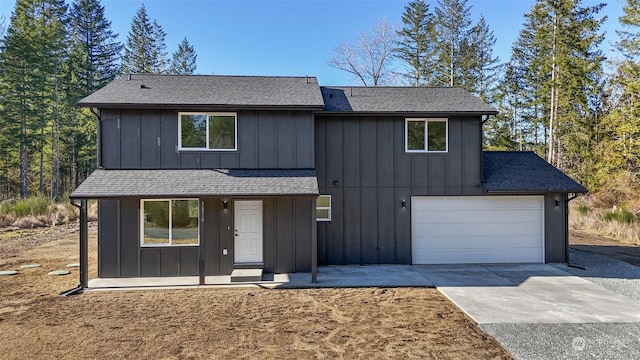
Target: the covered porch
(285, 241)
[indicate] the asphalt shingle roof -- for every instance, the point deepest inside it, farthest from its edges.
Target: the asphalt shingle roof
(403, 99)
(196, 183)
(524, 172)
(197, 91)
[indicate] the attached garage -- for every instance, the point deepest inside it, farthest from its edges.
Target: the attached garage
(477, 229)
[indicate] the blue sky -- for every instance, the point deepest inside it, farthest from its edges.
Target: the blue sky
(287, 37)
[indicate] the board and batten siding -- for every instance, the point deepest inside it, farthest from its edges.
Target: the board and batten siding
(288, 227)
(148, 139)
(361, 162)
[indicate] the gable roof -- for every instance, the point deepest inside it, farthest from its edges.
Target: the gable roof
(524, 172)
(196, 183)
(207, 91)
(384, 99)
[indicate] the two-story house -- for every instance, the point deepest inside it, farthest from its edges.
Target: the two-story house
(202, 175)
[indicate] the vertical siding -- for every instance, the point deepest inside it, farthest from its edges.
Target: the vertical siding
(366, 156)
(556, 222)
(148, 139)
(108, 241)
(129, 237)
(130, 139)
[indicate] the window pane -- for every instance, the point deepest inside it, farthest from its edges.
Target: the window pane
(415, 135)
(322, 214)
(194, 131)
(437, 136)
(323, 201)
(156, 222)
(222, 132)
(184, 221)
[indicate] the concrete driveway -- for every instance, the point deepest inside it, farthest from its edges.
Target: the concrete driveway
(531, 293)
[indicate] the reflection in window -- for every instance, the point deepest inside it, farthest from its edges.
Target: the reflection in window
(426, 135)
(170, 222)
(207, 131)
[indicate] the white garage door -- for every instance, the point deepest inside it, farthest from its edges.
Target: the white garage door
(477, 229)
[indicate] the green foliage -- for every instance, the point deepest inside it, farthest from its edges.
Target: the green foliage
(416, 43)
(184, 59)
(37, 205)
(583, 209)
(621, 215)
(145, 50)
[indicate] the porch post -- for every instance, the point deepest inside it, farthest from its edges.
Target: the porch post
(314, 244)
(84, 244)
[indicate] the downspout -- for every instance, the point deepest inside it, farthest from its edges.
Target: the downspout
(98, 138)
(566, 235)
(84, 253)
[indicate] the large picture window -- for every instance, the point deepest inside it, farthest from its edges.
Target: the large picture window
(207, 131)
(169, 222)
(426, 135)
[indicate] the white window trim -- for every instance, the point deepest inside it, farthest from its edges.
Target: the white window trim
(207, 114)
(170, 244)
(324, 208)
(426, 135)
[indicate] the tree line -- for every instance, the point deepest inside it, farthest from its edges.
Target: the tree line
(51, 56)
(553, 94)
(557, 94)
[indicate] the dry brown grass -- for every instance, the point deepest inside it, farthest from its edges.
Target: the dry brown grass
(55, 214)
(592, 220)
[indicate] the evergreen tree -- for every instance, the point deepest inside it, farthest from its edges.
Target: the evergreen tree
(31, 64)
(619, 149)
(452, 28)
(184, 59)
(482, 67)
(416, 43)
(160, 62)
(145, 51)
(96, 51)
(558, 81)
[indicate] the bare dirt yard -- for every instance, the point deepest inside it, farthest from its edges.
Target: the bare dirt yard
(211, 323)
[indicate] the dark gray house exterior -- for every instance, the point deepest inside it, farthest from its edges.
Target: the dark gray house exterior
(201, 175)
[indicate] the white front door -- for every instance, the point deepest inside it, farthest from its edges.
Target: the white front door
(248, 232)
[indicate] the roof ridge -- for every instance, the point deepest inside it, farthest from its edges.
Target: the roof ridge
(227, 76)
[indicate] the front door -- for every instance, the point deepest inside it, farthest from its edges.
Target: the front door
(248, 232)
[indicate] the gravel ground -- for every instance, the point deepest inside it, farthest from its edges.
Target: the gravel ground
(568, 341)
(580, 341)
(612, 274)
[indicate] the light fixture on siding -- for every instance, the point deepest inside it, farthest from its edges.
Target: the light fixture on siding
(403, 203)
(225, 205)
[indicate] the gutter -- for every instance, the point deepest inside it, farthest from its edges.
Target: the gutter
(82, 283)
(566, 230)
(98, 139)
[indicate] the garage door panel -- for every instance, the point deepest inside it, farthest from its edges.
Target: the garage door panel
(470, 229)
(461, 203)
(473, 230)
(474, 216)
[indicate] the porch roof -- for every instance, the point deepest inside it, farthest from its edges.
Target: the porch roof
(196, 183)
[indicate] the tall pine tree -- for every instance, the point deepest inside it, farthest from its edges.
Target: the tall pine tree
(416, 43)
(184, 59)
(145, 50)
(31, 64)
(619, 149)
(452, 27)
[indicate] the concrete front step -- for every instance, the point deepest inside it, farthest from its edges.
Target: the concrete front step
(246, 275)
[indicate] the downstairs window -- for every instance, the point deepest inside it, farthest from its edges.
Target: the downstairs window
(169, 222)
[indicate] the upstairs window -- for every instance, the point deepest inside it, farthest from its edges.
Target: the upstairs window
(207, 131)
(426, 135)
